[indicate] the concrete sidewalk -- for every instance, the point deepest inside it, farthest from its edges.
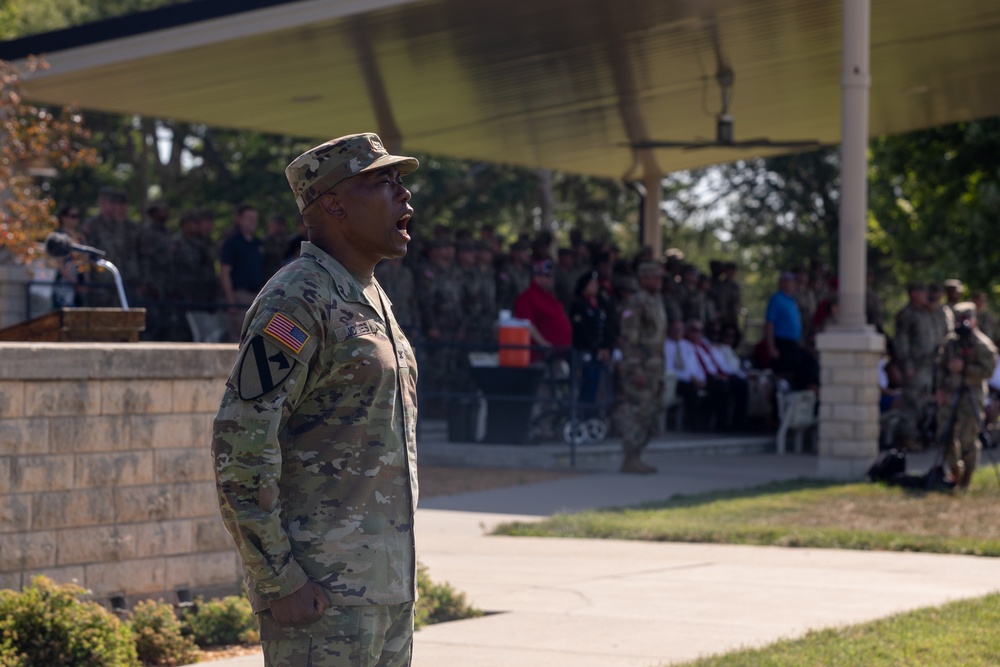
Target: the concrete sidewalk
(570, 602)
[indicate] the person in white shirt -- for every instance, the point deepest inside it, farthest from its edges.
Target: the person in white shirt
(704, 395)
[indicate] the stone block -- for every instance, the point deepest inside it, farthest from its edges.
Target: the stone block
(10, 581)
(24, 436)
(164, 538)
(54, 361)
(98, 544)
(62, 398)
(837, 430)
(143, 503)
(72, 509)
(99, 433)
(117, 469)
(848, 448)
(201, 395)
(825, 412)
(870, 394)
(22, 551)
(195, 500)
(206, 569)
(184, 465)
(836, 394)
(854, 377)
(848, 469)
(838, 360)
(210, 534)
(131, 577)
(867, 431)
(11, 399)
(855, 413)
(53, 472)
(141, 396)
(171, 431)
(15, 513)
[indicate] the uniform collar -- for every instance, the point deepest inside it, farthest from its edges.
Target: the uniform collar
(347, 286)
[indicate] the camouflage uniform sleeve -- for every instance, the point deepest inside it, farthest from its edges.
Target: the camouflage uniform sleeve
(984, 361)
(629, 335)
(248, 456)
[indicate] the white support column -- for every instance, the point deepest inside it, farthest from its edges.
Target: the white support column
(849, 395)
(652, 234)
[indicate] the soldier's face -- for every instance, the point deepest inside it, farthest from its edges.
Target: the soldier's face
(378, 212)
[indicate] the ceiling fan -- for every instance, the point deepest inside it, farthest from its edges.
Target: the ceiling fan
(724, 137)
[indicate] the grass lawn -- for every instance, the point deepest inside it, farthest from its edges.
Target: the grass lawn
(804, 513)
(960, 634)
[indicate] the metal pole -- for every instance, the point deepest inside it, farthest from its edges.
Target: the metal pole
(652, 235)
(855, 82)
(118, 280)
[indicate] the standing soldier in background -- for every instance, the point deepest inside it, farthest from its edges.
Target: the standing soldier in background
(189, 263)
(476, 296)
(401, 288)
(275, 243)
(916, 343)
(439, 293)
(953, 289)
(985, 320)
(640, 373)
(154, 250)
(728, 297)
(944, 320)
(513, 275)
(965, 362)
(112, 231)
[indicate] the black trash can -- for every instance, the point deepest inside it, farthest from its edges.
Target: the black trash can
(508, 420)
(463, 416)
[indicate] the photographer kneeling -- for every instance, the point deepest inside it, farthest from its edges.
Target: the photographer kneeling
(966, 359)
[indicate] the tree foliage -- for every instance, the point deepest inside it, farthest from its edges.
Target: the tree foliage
(31, 137)
(935, 202)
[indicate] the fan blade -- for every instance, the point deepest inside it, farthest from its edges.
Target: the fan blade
(669, 144)
(763, 142)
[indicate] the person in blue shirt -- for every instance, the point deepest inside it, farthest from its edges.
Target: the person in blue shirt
(783, 334)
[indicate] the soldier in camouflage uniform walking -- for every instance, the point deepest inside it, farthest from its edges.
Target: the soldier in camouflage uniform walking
(315, 441)
(916, 343)
(965, 361)
(639, 380)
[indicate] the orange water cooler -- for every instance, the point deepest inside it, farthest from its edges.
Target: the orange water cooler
(513, 337)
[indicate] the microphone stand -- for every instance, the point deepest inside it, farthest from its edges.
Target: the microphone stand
(118, 280)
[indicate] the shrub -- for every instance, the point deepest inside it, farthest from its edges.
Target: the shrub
(229, 620)
(438, 603)
(158, 638)
(52, 625)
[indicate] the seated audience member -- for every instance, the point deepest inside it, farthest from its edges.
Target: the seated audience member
(704, 396)
(718, 370)
(591, 333)
(550, 326)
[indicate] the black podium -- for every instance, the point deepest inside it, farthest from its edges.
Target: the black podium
(508, 420)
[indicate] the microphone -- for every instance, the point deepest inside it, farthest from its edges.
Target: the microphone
(60, 245)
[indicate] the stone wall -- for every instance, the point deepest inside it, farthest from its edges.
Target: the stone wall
(105, 469)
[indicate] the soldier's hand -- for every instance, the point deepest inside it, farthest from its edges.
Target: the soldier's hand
(301, 607)
(956, 365)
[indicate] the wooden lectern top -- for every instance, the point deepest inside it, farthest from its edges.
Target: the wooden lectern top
(80, 325)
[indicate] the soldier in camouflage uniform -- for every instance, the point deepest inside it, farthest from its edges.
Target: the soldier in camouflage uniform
(639, 386)
(943, 318)
(965, 361)
(487, 281)
(398, 282)
(728, 299)
(439, 292)
(916, 344)
(480, 318)
(315, 441)
(111, 231)
(985, 321)
(513, 276)
(156, 270)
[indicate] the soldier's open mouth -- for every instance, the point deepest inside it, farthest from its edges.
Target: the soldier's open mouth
(402, 222)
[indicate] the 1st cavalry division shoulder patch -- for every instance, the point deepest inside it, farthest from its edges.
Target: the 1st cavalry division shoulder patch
(263, 368)
(286, 332)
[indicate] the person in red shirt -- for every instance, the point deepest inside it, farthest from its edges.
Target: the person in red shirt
(550, 326)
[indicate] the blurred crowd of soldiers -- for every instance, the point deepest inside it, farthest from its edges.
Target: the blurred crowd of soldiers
(170, 272)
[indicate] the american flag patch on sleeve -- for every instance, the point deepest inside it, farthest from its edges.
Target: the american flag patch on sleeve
(286, 332)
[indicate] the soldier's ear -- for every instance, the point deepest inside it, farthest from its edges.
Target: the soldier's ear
(330, 203)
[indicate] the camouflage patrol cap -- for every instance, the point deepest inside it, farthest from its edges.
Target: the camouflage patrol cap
(953, 283)
(965, 310)
(321, 168)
